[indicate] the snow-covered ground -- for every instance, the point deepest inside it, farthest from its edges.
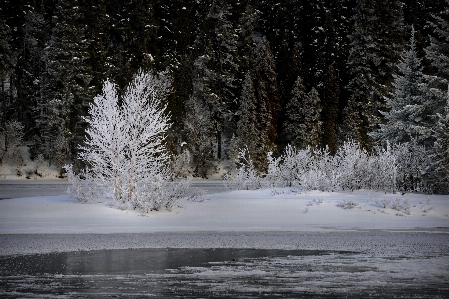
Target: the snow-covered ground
(257, 210)
(360, 252)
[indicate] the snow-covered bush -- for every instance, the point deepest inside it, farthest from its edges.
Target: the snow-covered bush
(83, 186)
(322, 172)
(347, 204)
(125, 148)
(275, 178)
(246, 176)
(181, 164)
(383, 169)
(353, 162)
(393, 167)
(39, 162)
(413, 164)
(155, 193)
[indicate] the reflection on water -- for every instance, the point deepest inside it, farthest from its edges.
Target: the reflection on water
(220, 273)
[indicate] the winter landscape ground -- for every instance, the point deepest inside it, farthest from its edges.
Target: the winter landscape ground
(228, 244)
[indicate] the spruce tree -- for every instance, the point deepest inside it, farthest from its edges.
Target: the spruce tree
(408, 117)
(312, 113)
(438, 54)
(218, 53)
(6, 64)
(441, 156)
(293, 127)
(252, 127)
(303, 126)
(357, 114)
(265, 85)
(68, 91)
(374, 51)
(329, 116)
(32, 65)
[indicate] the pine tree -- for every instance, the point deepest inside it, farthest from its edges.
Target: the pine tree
(357, 114)
(97, 35)
(219, 57)
(374, 51)
(265, 86)
(303, 126)
(293, 127)
(133, 40)
(68, 91)
(438, 54)
(199, 133)
(32, 65)
(6, 64)
(408, 117)
(329, 116)
(441, 156)
(252, 127)
(176, 20)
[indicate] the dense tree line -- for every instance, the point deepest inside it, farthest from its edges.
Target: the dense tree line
(255, 73)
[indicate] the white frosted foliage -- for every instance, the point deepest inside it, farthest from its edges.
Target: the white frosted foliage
(124, 145)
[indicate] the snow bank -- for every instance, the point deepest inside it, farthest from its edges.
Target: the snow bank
(257, 210)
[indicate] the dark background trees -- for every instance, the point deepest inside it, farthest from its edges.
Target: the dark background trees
(226, 57)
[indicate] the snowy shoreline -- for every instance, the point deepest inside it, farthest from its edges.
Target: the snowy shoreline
(233, 219)
(429, 243)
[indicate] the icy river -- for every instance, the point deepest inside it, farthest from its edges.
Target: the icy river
(364, 264)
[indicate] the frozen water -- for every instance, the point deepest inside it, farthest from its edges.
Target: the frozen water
(223, 273)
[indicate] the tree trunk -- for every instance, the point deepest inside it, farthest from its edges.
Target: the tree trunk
(218, 144)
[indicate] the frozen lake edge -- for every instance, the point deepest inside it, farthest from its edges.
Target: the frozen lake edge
(394, 242)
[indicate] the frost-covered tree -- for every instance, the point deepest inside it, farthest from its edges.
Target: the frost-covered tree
(265, 87)
(124, 145)
(440, 158)
(216, 67)
(303, 126)
(438, 55)
(106, 140)
(293, 130)
(11, 137)
(329, 116)
(199, 122)
(67, 92)
(32, 64)
(375, 44)
(198, 127)
(252, 127)
(144, 111)
(6, 64)
(408, 117)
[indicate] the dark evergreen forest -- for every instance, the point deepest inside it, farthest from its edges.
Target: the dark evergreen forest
(254, 73)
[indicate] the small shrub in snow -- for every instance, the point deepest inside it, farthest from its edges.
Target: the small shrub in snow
(390, 168)
(316, 202)
(181, 165)
(406, 206)
(384, 203)
(396, 204)
(347, 204)
(246, 177)
(155, 194)
(83, 186)
(39, 162)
